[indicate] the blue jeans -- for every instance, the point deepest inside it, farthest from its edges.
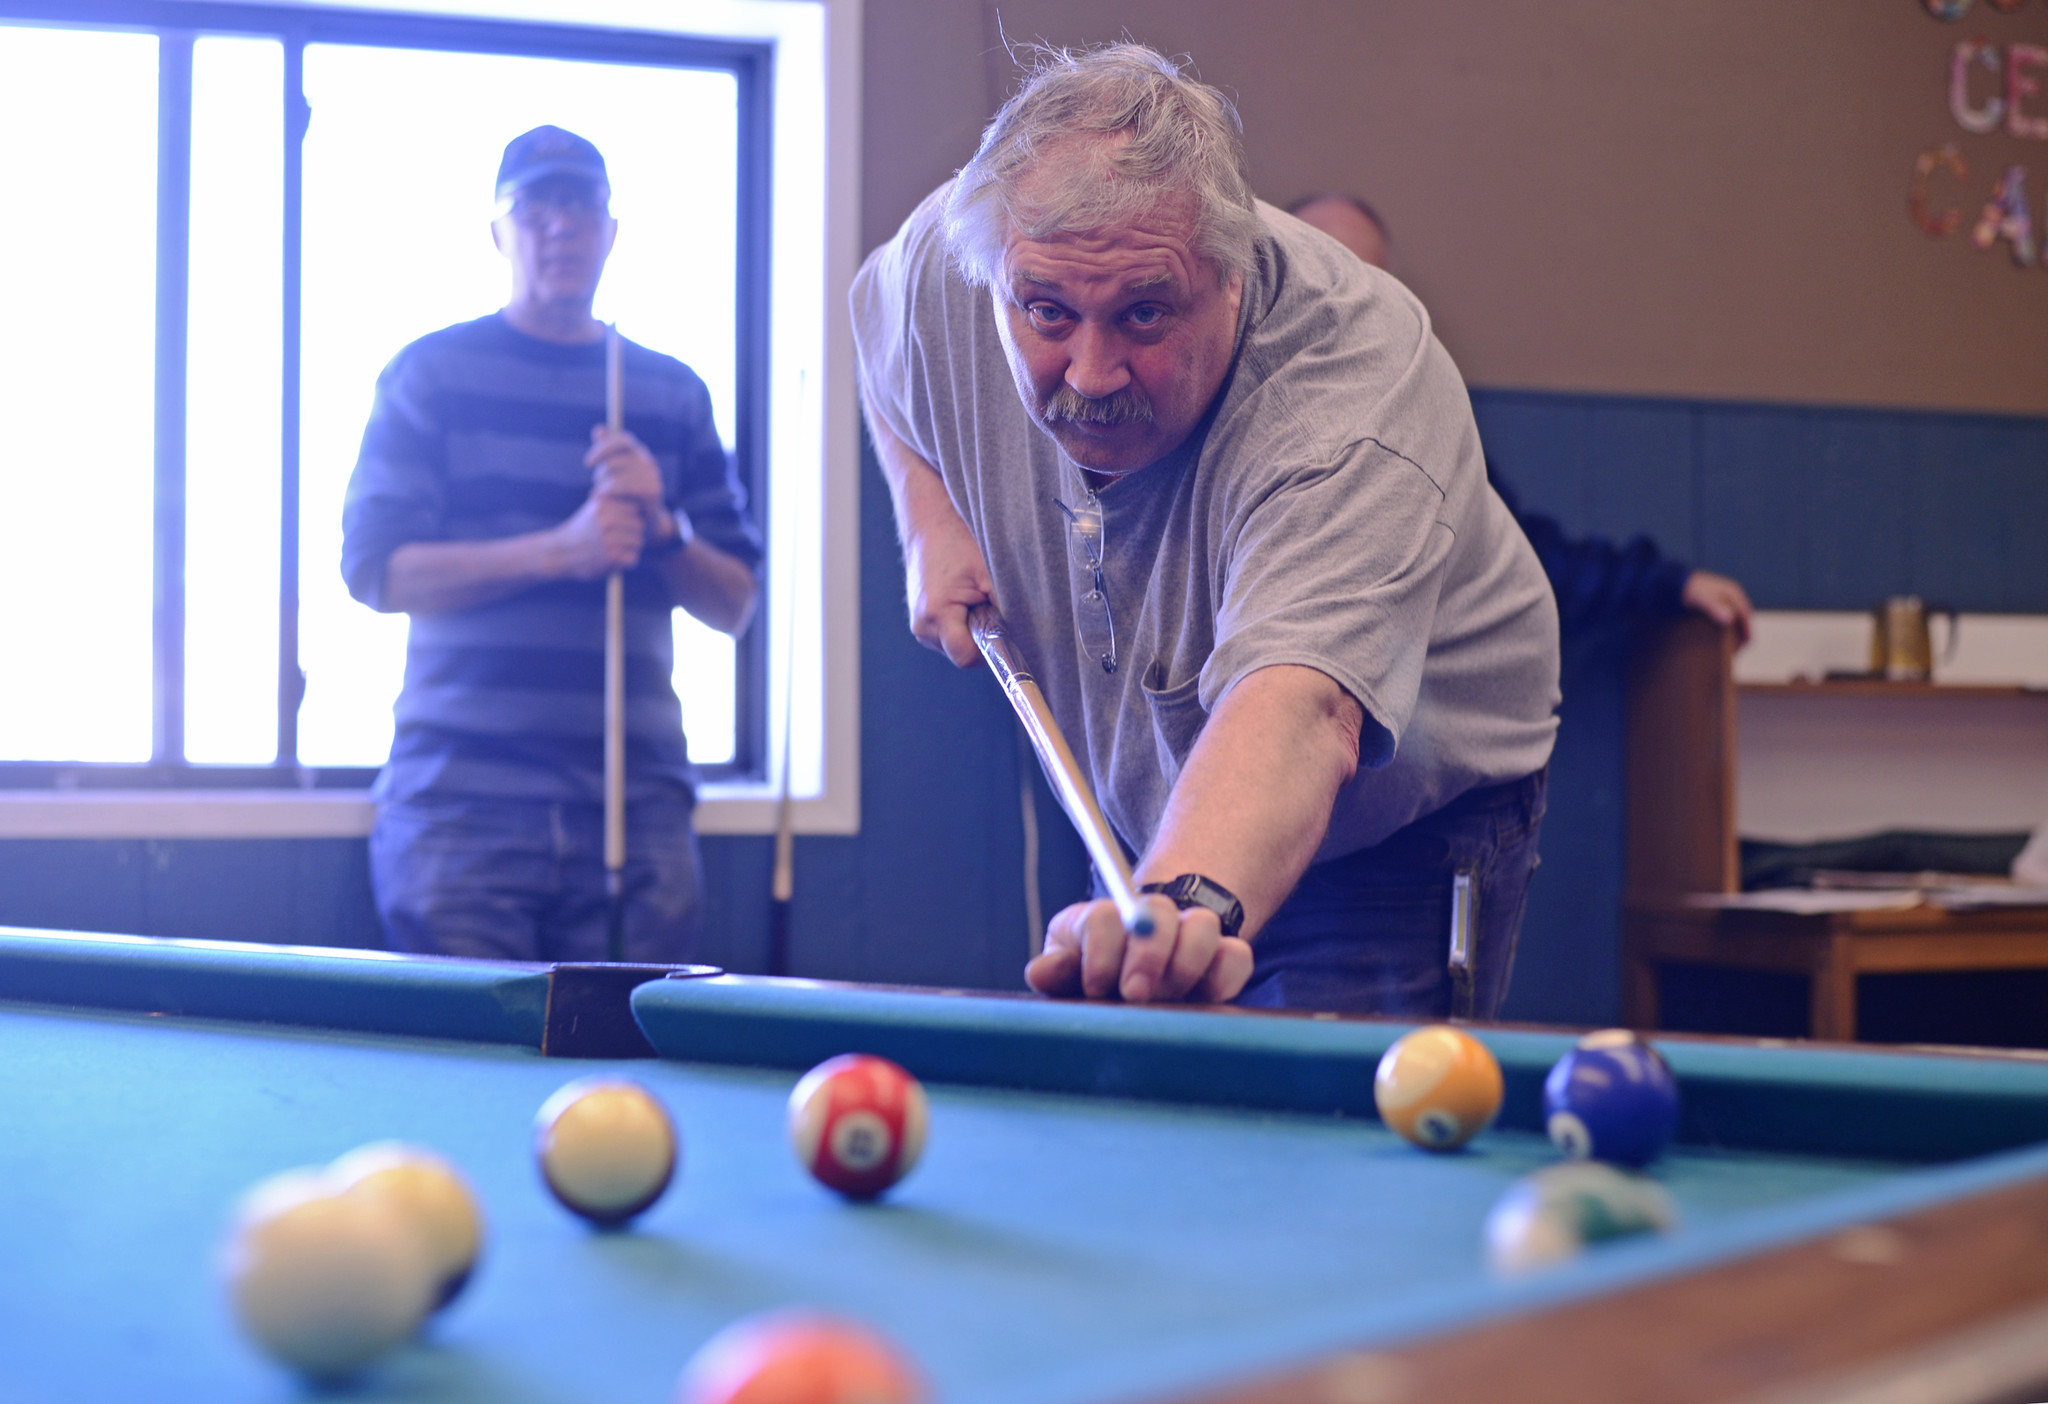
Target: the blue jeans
(1370, 933)
(510, 879)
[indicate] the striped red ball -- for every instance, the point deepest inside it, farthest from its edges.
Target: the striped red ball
(858, 1123)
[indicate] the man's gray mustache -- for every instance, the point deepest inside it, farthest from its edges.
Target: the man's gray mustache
(1126, 406)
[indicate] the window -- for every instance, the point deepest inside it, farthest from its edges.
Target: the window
(222, 279)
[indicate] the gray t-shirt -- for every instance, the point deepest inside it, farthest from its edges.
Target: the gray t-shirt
(1334, 513)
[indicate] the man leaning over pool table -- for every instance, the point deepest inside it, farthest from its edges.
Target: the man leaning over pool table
(1225, 486)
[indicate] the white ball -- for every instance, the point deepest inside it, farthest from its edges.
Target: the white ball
(606, 1148)
(430, 1192)
(323, 1281)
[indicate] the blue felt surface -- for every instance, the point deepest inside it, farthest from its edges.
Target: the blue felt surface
(1051, 1248)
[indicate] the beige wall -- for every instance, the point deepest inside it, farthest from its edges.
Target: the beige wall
(1625, 196)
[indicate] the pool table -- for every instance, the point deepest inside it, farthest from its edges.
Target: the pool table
(1115, 1204)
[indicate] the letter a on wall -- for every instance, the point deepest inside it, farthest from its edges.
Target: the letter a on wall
(2005, 217)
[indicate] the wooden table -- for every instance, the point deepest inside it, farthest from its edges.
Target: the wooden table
(1831, 949)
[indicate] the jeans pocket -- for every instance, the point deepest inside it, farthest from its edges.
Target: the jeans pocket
(1177, 718)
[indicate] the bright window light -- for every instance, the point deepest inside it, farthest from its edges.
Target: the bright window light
(77, 371)
(234, 375)
(399, 163)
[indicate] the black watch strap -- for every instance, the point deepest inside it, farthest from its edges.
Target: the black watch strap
(1194, 890)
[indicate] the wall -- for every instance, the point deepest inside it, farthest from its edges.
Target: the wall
(1706, 201)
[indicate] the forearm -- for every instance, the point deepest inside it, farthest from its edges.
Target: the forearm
(917, 492)
(712, 586)
(1253, 802)
(441, 577)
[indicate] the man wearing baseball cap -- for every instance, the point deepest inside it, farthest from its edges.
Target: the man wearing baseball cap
(490, 503)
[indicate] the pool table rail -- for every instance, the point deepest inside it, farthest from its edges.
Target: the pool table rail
(1846, 1101)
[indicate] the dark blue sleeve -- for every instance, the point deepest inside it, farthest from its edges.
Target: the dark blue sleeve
(1595, 581)
(397, 493)
(708, 490)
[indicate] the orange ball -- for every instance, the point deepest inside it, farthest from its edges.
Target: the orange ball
(799, 1358)
(1438, 1087)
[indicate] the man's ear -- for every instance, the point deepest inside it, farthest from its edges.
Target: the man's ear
(497, 237)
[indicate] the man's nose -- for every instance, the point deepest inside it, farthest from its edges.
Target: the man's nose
(1096, 367)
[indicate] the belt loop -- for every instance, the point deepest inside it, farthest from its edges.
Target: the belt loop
(1464, 902)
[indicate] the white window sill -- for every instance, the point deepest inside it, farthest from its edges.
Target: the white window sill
(260, 814)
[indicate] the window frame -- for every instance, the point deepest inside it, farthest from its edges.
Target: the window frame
(177, 24)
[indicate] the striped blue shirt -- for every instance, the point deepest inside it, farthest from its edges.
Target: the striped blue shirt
(478, 432)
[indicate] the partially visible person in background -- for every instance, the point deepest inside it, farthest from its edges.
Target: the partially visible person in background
(1596, 582)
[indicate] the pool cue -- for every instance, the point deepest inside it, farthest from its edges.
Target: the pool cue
(1068, 782)
(614, 688)
(782, 884)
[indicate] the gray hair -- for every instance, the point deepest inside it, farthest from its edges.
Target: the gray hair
(1180, 141)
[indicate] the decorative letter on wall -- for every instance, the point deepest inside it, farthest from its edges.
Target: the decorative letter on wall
(2021, 84)
(2006, 217)
(1980, 53)
(1935, 226)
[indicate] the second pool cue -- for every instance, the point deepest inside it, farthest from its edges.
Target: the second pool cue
(1060, 766)
(614, 688)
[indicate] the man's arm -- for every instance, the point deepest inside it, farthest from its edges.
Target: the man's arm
(713, 586)
(1248, 811)
(441, 577)
(944, 575)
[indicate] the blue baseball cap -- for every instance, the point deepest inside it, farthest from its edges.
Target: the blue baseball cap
(547, 151)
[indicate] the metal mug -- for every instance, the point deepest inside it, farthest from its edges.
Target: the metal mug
(1901, 644)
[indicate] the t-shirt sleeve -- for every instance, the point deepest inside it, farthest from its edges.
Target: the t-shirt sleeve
(707, 488)
(902, 277)
(398, 491)
(1338, 569)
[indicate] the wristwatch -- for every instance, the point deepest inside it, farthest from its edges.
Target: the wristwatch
(1194, 890)
(668, 546)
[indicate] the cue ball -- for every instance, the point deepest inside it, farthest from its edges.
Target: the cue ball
(431, 1193)
(324, 1281)
(858, 1123)
(1437, 1087)
(798, 1358)
(1611, 1098)
(606, 1148)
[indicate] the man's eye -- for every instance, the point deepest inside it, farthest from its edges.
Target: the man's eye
(1045, 313)
(1145, 316)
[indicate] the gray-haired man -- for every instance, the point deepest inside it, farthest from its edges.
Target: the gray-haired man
(1231, 500)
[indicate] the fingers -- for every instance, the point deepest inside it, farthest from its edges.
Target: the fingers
(1227, 972)
(1148, 971)
(1057, 969)
(1195, 942)
(1088, 952)
(944, 629)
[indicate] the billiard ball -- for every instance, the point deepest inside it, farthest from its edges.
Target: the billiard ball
(858, 1123)
(606, 1148)
(798, 1358)
(1437, 1087)
(1554, 1213)
(325, 1281)
(1611, 1098)
(433, 1194)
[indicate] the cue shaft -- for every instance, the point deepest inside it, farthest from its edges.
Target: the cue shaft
(614, 648)
(1028, 701)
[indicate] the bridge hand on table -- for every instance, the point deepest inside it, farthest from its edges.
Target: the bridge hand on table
(1187, 956)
